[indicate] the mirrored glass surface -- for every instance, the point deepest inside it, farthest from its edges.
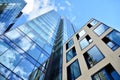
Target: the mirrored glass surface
(24, 68)
(10, 58)
(101, 29)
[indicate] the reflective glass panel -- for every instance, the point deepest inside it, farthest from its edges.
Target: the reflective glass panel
(115, 37)
(112, 40)
(34, 51)
(107, 73)
(70, 54)
(85, 42)
(23, 70)
(81, 33)
(2, 78)
(3, 46)
(94, 22)
(4, 71)
(13, 77)
(101, 29)
(73, 71)
(25, 43)
(93, 56)
(69, 44)
(10, 58)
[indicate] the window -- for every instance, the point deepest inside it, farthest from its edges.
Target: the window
(93, 56)
(80, 34)
(101, 29)
(112, 40)
(69, 44)
(107, 73)
(93, 23)
(73, 71)
(70, 54)
(85, 42)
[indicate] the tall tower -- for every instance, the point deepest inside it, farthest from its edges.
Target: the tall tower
(10, 11)
(54, 69)
(26, 48)
(93, 53)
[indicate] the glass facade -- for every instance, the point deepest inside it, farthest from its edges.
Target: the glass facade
(73, 71)
(28, 45)
(101, 29)
(93, 56)
(10, 10)
(70, 54)
(55, 72)
(85, 42)
(112, 40)
(107, 73)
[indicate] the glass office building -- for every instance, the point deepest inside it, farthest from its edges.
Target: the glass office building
(10, 10)
(54, 68)
(25, 50)
(93, 53)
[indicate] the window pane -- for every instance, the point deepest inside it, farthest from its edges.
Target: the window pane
(81, 33)
(10, 58)
(23, 70)
(2, 78)
(93, 56)
(25, 43)
(94, 22)
(4, 71)
(107, 73)
(84, 43)
(70, 54)
(73, 71)
(69, 44)
(34, 51)
(112, 40)
(3, 46)
(114, 36)
(101, 29)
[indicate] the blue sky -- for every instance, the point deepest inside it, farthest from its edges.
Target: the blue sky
(77, 11)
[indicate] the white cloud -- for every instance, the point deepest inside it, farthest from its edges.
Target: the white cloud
(35, 8)
(29, 6)
(68, 3)
(62, 8)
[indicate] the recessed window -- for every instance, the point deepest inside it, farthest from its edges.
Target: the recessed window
(101, 29)
(73, 71)
(85, 42)
(93, 56)
(69, 44)
(70, 54)
(80, 34)
(93, 23)
(112, 40)
(107, 73)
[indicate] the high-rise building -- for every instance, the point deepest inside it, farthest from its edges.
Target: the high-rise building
(24, 51)
(93, 53)
(10, 11)
(54, 68)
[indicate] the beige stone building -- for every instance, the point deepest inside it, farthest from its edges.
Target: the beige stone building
(93, 53)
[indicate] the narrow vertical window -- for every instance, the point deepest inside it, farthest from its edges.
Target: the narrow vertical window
(73, 71)
(69, 44)
(70, 54)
